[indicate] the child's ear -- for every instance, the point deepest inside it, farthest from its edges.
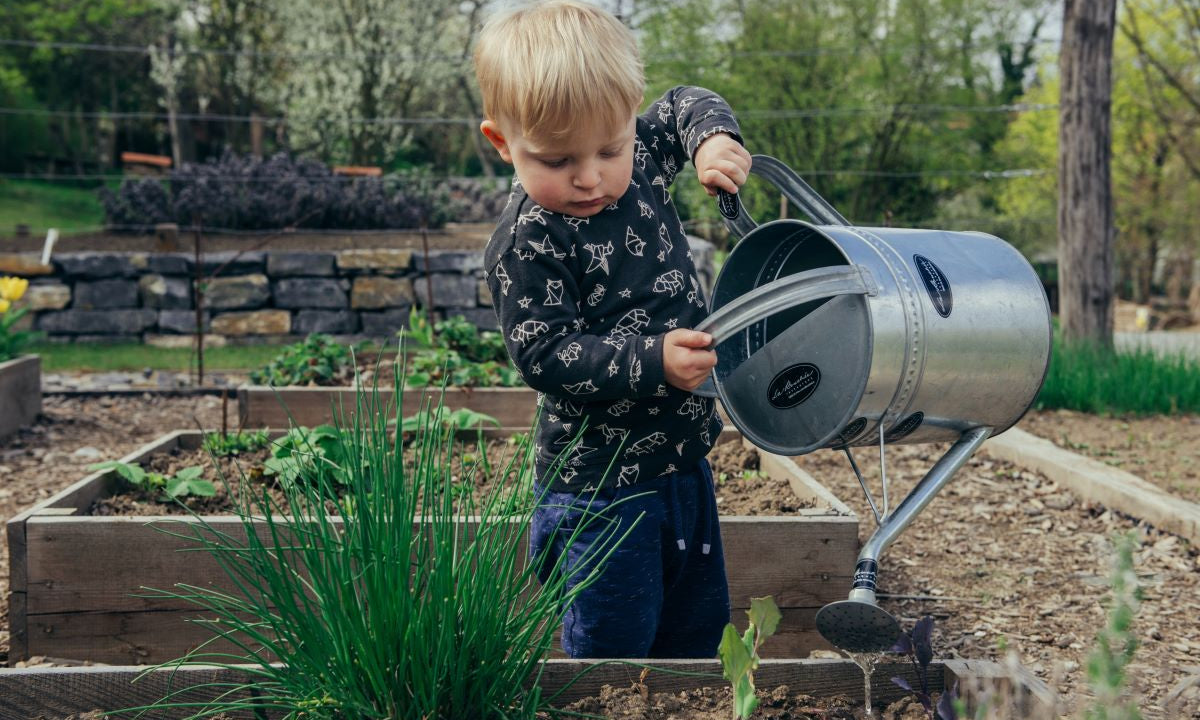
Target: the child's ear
(491, 131)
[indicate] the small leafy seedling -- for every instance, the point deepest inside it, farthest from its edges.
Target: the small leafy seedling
(459, 419)
(307, 454)
(739, 654)
(224, 444)
(186, 482)
(918, 646)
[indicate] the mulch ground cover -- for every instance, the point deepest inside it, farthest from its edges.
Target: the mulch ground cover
(1164, 451)
(1007, 561)
(1004, 559)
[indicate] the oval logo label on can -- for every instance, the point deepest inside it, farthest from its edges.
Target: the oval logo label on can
(852, 431)
(905, 428)
(936, 284)
(793, 385)
(727, 204)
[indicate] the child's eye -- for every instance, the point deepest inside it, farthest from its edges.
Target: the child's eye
(554, 163)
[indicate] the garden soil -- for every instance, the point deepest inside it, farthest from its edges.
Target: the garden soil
(1005, 560)
(1163, 451)
(741, 489)
(779, 703)
(74, 432)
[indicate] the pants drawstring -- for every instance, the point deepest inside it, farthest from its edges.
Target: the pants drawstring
(710, 512)
(676, 516)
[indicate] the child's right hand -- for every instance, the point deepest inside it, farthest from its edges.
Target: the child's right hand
(686, 362)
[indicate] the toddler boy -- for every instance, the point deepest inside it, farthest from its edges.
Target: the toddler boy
(595, 290)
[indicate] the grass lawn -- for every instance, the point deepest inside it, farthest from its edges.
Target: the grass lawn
(43, 205)
(134, 356)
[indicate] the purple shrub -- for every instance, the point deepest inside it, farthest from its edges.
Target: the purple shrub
(244, 193)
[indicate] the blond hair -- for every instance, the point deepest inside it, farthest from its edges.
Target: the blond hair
(556, 67)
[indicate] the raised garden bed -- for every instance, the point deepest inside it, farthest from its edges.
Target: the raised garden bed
(262, 406)
(20, 393)
(73, 576)
(54, 693)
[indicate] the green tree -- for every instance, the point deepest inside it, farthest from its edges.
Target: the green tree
(1154, 188)
(22, 133)
(881, 91)
(77, 83)
(246, 72)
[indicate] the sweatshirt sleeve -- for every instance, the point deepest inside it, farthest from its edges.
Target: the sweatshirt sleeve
(678, 122)
(537, 302)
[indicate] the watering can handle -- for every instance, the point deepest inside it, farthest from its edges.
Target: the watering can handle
(798, 192)
(778, 295)
(786, 292)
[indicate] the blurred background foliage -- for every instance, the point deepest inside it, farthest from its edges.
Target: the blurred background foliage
(933, 113)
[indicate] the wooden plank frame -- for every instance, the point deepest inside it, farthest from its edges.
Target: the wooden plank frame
(57, 692)
(20, 393)
(76, 580)
(262, 406)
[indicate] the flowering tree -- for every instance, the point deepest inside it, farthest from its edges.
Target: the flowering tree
(364, 67)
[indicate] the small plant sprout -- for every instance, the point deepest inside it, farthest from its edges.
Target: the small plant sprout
(187, 481)
(917, 645)
(739, 654)
(224, 444)
(1116, 643)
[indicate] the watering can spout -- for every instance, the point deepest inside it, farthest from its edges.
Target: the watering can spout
(858, 624)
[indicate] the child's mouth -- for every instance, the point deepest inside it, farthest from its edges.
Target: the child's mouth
(590, 203)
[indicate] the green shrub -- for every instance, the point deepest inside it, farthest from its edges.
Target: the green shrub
(318, 360)
(457, 353)
(1093, 379)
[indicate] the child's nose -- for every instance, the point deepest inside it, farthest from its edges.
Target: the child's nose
(587, 177)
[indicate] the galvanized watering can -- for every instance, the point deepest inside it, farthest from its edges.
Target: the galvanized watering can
(834, 336)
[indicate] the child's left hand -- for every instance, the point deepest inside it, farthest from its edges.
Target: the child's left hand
(721, 164)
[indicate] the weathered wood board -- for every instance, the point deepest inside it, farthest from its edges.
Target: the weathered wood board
(20, 393)
(78, 581)
(57, 692)
(266, 407)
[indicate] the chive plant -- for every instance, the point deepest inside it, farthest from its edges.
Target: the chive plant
(406, 602)
(1094, 379)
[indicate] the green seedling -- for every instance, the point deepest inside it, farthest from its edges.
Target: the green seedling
(739, 653)
(186, 482)
(459, 419)
(455, 352)
(1109, 661)
(307, 454)
(225, 444)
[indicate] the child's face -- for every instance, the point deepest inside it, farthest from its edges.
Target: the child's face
(579, 175)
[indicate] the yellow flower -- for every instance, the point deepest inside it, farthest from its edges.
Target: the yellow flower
(12, 288)
(4, 306)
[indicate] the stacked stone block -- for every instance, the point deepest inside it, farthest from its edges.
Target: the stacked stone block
(259, 296)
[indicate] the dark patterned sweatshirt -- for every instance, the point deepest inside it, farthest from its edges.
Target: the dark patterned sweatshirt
(584, 304)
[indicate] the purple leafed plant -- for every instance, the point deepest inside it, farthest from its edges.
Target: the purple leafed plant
(241, 192)
(917, 645)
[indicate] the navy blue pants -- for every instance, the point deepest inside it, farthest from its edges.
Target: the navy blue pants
(662, 591)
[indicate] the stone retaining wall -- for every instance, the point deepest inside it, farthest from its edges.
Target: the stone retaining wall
(261, 296)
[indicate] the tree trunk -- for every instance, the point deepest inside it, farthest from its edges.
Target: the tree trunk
(1085, 211)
